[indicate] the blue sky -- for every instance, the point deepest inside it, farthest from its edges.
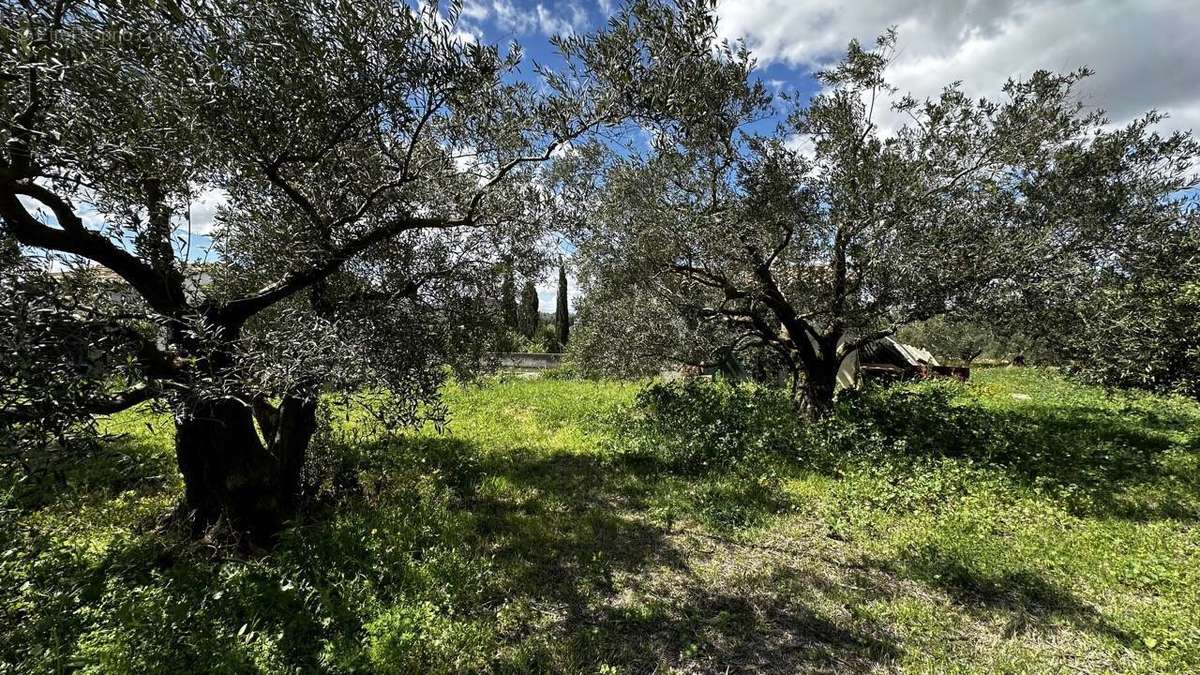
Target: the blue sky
(532, 23)
(1143, 51)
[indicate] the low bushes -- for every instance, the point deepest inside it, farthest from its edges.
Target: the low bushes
(934, 418)
(697, 427)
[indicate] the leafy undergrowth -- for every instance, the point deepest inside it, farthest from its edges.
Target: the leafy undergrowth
(1019, 523)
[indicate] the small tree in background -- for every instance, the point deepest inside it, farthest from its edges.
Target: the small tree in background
(562, 317)
(957, 338)
(528, 318)
(632, 331)
(508, 299)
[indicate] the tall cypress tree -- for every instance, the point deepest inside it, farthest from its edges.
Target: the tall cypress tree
(508, 299)
(562, 319)
(529, 310)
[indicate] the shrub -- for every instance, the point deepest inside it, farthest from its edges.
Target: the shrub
(695, 427)
(701, 426)
(421, 638)
(923, 419)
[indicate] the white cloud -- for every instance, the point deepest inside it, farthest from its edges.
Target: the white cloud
(557, 19)
(550, 23)
(511, 18)
(476, 11)
(467, 35)
(805, 146)
(1143, 52)
(203, 212)
(548, 293)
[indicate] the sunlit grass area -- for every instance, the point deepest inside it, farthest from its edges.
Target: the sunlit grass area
(1019, 523)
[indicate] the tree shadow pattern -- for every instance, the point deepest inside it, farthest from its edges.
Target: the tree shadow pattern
(570, 533)
(1025, 598)
(1125, 463)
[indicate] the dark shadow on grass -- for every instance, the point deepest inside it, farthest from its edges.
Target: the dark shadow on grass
(701, 628)
(570, 532)
(1088, 451)
(1028, 600)
(98, 470)
(577, 529)
(1109, 462)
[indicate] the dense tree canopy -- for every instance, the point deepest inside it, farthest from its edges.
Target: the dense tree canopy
(1132, 319)
(959, 338)
(374, 167)
(864, 211)
(382, 190)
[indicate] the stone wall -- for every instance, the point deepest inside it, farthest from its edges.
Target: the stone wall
(526, 361)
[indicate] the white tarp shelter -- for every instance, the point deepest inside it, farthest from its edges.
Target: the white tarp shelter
(885, 354)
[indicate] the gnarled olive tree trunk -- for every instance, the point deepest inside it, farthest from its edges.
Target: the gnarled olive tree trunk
(234, 476)
(813, 387)
(816, 390)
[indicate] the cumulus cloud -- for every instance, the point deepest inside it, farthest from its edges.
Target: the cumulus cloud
(475, 11)
(550, 23)
(556, 19)
(467, 35)
(1143, 52)
(511, 18)
(203, 212)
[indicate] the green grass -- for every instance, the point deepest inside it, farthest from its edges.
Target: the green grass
(1023, 523)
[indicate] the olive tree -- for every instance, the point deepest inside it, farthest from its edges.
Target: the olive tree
(835, 231)
(375, 169)
(1133, 319)
(631, 328)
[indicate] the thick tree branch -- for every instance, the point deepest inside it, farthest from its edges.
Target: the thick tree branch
(105, 405)
(708, 278)
(787, 240)
(801, 333)
(267, 416)
(512, 164)
(272, 172)
(163, 293)
(849, 346)
(124, 400)
(236, 312)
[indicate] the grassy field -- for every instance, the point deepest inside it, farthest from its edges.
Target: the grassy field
(1021, 523)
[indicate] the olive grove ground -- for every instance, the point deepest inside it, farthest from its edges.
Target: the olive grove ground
(1019, 523)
